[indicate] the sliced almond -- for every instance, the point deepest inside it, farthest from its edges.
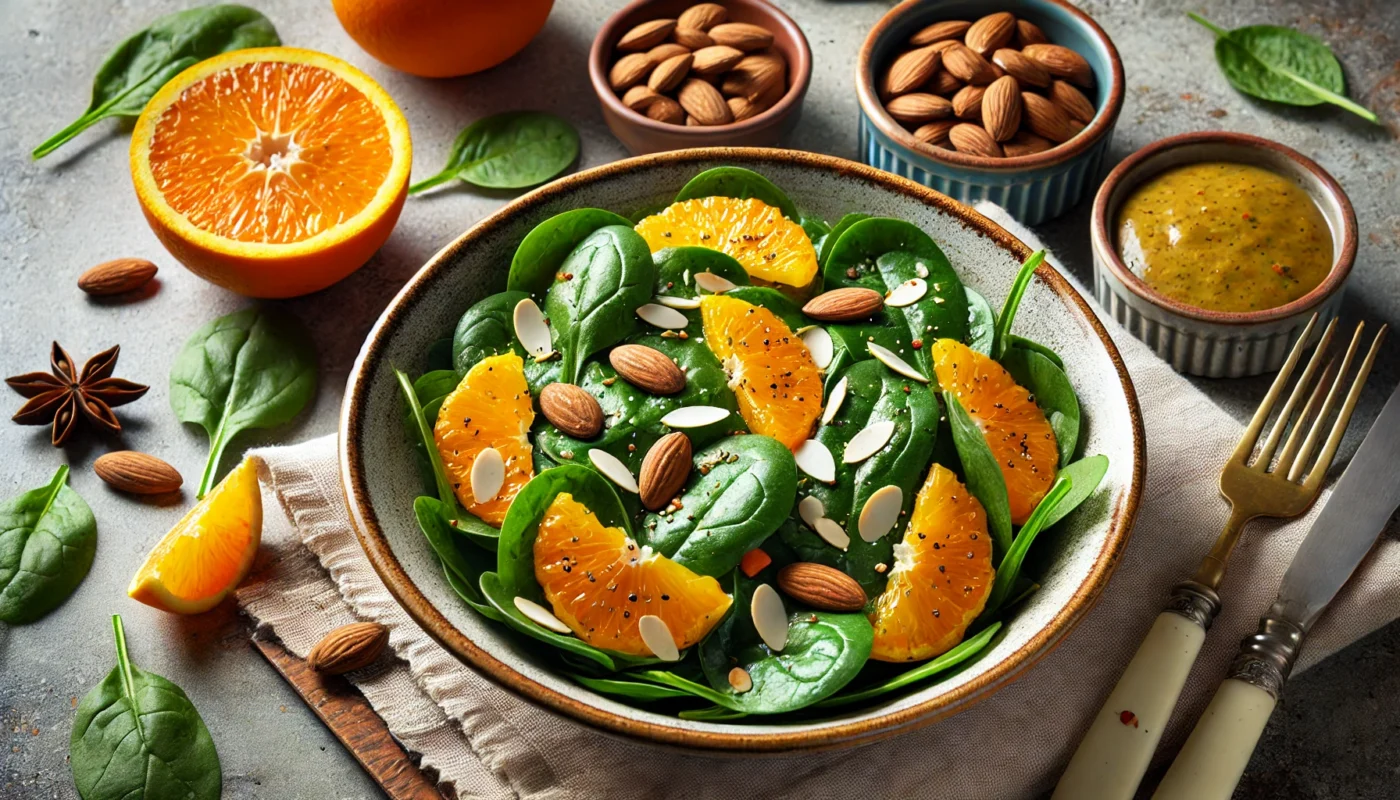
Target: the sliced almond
(834, 402)
(704, 102)
(540, 615)
(810, 509)
(646, 35)
(940, 31)
(819, 344)
(629, 71)
(662, 317)
(936, 132)
(740, 680)
(943, 83)
(656, 635)
(919, 107)
(907, 293)
(967, 103)
(742, 35)
(769, 617)
(664, 470)
(815, 459)
(669, 73)
(1045, 118)
(488, 475)
(614, 470)
(1001, 108)
(968, 66)
(1025, 71)
(868, 442)
(692, 39)
(973, 139)
(894, 362)
(664, 109)
(1072, 101)
(715, 284)
(572, 410)
(911, 70)
(694, 417)
(844, 305)
(991, 32)
(638, 98)
(881, 512)
(1061, 62)
(715, 59)
(1025, 143)
(647, 368)
(703, 16)
(832, 533)
(532, 330)
(674, 301)
(1028, 33)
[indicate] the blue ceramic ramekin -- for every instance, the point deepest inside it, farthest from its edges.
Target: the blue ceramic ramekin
(1032, 188)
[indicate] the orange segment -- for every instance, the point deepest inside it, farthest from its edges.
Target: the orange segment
(1015, 427)
(778, 386)
(206, 554)
(271, 171)
(942, 574)
(770, 246)
(601, 583)
(489, 408)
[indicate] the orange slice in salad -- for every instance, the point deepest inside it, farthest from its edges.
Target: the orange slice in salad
(771, 247)
(274, 171)
(1015, 428)
(771, 371)
(489, 410)
(601, 583)
(941, 577)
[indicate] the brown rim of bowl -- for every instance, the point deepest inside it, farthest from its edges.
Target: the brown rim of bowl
(1100, 125)
(381, 556)
(1341, 265)
(608, 35)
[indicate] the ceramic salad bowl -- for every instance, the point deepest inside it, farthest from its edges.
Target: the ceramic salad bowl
(383, 480)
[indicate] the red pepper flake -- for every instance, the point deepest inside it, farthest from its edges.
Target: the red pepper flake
(754, 561)
(1277, 268)
(1245, 216)
(917, 343)
(1128, 718)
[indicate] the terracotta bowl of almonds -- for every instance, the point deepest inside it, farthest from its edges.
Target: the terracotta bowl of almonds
(672, 74)
(1013, 102)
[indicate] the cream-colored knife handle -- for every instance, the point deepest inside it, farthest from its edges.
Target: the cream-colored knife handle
(1118, 747)
(1214, 757)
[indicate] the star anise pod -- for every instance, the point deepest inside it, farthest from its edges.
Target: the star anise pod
(63, 395)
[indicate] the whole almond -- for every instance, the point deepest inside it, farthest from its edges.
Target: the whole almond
(1072, 101)
(648, 368)
(911, 70)
(572, 410)
(768, 97)
(117, 276)
(704, 102)
(349, 647)
(936, 132)
(755, 76)
(968, 66)
(919, 107)
(742, 108)
(1029, 33)
(991, 32)
(943, 83)
(692, 122)
(629, 71)
(821, 587)
(1026, 143)
(967, 103)
(742, 35)
(1047, 119)
(691, 38)
(844, 305)
(664, 470)
(940, 32)
(646, 36)
(638, 98)
(1024, 70)
(137, 473)
(1001, 108)
(664, 109)
(702, 16)
(974, 140)
(715, 59)
(669, 73)
(1061, 62)
(666, 50)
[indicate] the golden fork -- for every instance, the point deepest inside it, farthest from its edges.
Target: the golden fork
(1115, 752)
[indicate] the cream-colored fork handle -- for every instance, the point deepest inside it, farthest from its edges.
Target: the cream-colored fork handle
(1214, 757)
(1114, 754)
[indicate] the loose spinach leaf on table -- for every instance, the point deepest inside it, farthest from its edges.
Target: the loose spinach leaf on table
(1009, 566)
(488, 329)
(535, 265)
(251, 369)
(508, 151)
(962, 652)
(48, 538)
(676, 268)
(134, 71)
(1052, 391)
(981, 323)
(606, 278)
(1283, 65)
(980, 472)
(739, 183)
(136, 734)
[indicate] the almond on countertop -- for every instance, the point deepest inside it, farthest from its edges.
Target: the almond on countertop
(349, 647)
(137, 473)
(973, 139)
(990, 33)
(646, 35)
(1001, 108)
(117, 276)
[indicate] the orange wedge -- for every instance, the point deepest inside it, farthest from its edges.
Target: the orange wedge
(490, 408)
(206, 554)
(273, 171)
(771, 247)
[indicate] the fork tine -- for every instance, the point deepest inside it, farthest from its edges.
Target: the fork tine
(1251, 433)
(1306, 419)
(1300, 389)
(1329, 450)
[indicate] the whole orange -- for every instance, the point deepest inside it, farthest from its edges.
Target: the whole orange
(442, 38)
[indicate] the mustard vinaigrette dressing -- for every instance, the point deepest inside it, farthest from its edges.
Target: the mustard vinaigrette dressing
(1225, 237)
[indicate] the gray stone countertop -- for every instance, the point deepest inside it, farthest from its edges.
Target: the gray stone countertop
(1333, 736)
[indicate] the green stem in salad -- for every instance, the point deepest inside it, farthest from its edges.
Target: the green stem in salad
(1001, 339)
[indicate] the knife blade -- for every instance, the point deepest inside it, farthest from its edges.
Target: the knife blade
(1348, 526)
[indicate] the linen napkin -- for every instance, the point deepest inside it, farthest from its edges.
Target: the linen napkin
(483, 742)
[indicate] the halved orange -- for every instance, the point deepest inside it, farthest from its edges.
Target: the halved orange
(941, 577)
(601, 583)
(272, 171)
(771, 247)
(489, 408)
(771, 371)
(206, 554)
(1014, 426)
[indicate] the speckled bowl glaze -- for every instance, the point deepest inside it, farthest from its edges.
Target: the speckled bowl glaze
(381, 479)
(1031, 188)
(1217, 344)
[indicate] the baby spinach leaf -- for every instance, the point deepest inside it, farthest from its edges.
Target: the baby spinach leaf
(981, 323)
(740, 490)
(488, 329)
(421, 431)
(676, 268)
(543, 250)
(1085, 476)
(134, 71)
(508, 151)
(606, 278)
(503, 599)
(439, 355)
(815, 228)
(48, 538)
(136, 734)
(254, 368)
(828, 242)
(629, 689)
(873, 394)
(1029, 344)
(1283, 65)
(780, 304)
(980, 472)
(739, 183)
(1052, 391)
(1001, 337)
(1009, 568)
(964, 651)
(465, 564)
(711, 714)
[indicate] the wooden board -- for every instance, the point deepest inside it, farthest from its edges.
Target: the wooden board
(349, 716)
